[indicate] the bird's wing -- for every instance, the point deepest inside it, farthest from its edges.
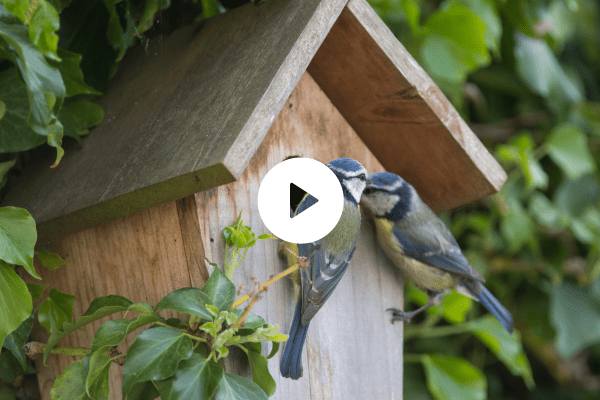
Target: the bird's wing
(424, 237)
(324, 272)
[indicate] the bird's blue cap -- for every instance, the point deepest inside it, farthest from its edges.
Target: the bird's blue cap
(385, 180)
(346, 164)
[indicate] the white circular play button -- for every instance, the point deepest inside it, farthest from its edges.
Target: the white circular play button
(314, 222)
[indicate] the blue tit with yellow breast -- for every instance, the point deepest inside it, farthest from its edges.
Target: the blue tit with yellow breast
(327, 258)
(423, 247)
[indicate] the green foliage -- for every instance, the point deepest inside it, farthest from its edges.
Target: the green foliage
(17, 238)
(173, 359)
(15, 301)
(527, 75)
(56, 310)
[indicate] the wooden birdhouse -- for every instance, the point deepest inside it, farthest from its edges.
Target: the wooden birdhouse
(195, 120)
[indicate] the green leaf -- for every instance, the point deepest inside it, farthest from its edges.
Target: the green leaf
(6, 166)
(15, 133)
(455, 307)
(155, 355)
(144, 391)
(260, 373)
(486, 10)
(575, 317)
(15, 301)
(507, 347)
(187, 301)
(151, 7)
(10, 368)
(49, 260)
(266, 236)
(273, 350)
(17, 238)
(576, 196)
(252, 321)
(99, 308)
(113, 332)
(15, 341)
(36, 290)
(118, 37)
(6, 394)
(235, 387)
(56, 310)
(568, 148)
(516, 226)
(450, 378)
(72, 74)
(196, 378)
(546, 213)
(44, 84)
(220, 290)
(540, 71)
(70, 385)
(42, 25)
(210, 8)
(78, 116)
(17, 7)
(97, 379)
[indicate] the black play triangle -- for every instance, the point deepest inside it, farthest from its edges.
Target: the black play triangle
(296, 196)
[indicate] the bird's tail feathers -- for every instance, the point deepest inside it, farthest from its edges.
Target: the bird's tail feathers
(291, 358)
(491, 304)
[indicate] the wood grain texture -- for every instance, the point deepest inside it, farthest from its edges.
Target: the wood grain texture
(351, 336)
(399, 112)
(143, 257)
(183, 114)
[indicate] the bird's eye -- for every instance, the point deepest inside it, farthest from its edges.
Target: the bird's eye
(362, 177)
(368, 191)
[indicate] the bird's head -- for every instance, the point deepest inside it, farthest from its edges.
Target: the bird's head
(352, 175)
(388, 196)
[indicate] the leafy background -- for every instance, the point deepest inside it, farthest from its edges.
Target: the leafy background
(523, 73)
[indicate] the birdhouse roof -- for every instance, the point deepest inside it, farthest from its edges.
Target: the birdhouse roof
(187, 112)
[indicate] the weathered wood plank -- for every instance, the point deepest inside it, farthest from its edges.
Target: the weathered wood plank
(351, 334)
(183, 114)
(399, 112)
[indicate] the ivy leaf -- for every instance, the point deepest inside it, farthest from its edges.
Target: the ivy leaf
(575, 317)
(36, 290)
(49, 260)
(486, 10)
(144, 391)
(78, 116)
(274, 350)
(151, 7)
(220, 290)
(187, 301)
(56, 310)
(97, 377)
(451, 378)
(266, 236)
(119, 38)
(252, 321)
(507, 347)
(72, 75)
(155, 355)
(15, 133)
(235, 387)
(15, 301)
(546, 213)
(42, 25)
(15, 341)
(17, 238)
(113, 332)
(568, 148)
(260, 372)
(70, 385)
(99, 308)
(10, 368)
(196, 378)
(455, 307)
(44, 83)
(17, 8)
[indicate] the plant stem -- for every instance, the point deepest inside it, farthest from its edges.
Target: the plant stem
(265, 285)
(245, 313)
(410, 332)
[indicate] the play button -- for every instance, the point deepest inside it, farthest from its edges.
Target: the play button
(312, 223)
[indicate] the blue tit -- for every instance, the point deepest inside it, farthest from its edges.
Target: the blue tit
(421, 245)
(328, 259)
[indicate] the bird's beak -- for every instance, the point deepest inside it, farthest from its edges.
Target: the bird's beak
(368, 181)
